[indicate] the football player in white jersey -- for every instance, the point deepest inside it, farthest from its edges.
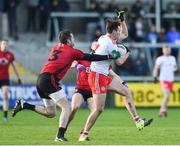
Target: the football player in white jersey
(167, 65)
(100, 79)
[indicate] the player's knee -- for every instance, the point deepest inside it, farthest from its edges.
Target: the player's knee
(99, 110)
(5, 97)
(74, 109)
(50, 114)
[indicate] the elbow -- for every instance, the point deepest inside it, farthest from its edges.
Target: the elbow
(126, 35)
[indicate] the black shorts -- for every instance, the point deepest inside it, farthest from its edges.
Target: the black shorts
(5, 82)
(46, 84)
(84, 93)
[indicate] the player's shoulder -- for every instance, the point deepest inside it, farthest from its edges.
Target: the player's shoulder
(104, 40)
(9, 53)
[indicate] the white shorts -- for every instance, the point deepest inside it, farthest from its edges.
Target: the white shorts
(56, 96)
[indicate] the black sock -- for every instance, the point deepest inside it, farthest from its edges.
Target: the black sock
(61, 132)
(5, 114)
(28, 106)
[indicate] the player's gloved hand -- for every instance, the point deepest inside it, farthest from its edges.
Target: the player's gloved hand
(114, 54)
(80, 67)
(92, 52)
(120, 15)
(19, 81)
(155, 79)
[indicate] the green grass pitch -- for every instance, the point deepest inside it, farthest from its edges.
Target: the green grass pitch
(114, 127)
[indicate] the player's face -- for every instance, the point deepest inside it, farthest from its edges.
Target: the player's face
(71, 40)
(3, 45)
(116, 33)
(166, 51)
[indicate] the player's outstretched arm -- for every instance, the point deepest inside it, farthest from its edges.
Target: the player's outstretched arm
(94, 57)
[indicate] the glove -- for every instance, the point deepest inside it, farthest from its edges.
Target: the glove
(80, 67)
(114, 54)
(120, 15)
(19, 81)
(155, 79)
(92, 52)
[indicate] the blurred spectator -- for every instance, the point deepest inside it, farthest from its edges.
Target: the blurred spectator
(125, 69)
(113, 6)
(172, 9)
(44, 8)
(162, 35)
(32, 6)
(2, 5)
(97, 33)
(57, 6)
(12, 18)
(138, 29)
(92, 23)
(173, 37)
(152, 37)
(140, 66)
(161, 39)
(137, 9)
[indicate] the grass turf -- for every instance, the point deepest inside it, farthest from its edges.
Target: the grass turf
(114, 127)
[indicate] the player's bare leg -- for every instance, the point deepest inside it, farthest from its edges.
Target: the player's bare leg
(48, 110)
(99, 103)
(122, 89)
(5, 102)
(163, 109)
(76, 103)
(64, 116)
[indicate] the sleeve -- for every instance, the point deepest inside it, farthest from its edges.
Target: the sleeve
(158, 61)
(10, 57)
(77, 54)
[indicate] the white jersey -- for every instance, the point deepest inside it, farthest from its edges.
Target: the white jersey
(105, 46)
(167, 67)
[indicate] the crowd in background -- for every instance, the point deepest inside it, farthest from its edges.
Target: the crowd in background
(141, 29)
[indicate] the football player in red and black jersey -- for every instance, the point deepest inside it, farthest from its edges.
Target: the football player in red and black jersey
(6, 58)
(59, 61)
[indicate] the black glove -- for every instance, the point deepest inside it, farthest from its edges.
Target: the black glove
(114, 54)
(19, 81)
(155, 79)
(120, 15)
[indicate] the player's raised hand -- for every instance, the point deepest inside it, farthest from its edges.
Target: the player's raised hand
(120, 15)
(114, 54)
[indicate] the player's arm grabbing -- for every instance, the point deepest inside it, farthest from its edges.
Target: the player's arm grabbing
(16, 72)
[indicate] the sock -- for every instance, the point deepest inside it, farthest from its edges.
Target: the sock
(28, 106)
(61, 132)
(137, 118)
(85, 132)
(5, 114)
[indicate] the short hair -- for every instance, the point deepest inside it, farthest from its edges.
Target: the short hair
(64, 36)
(166, 46)
(112, 25)
(3, 39)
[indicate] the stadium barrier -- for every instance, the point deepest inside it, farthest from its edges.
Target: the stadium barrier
(29, 93)
(149, 95)
(144, 95)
